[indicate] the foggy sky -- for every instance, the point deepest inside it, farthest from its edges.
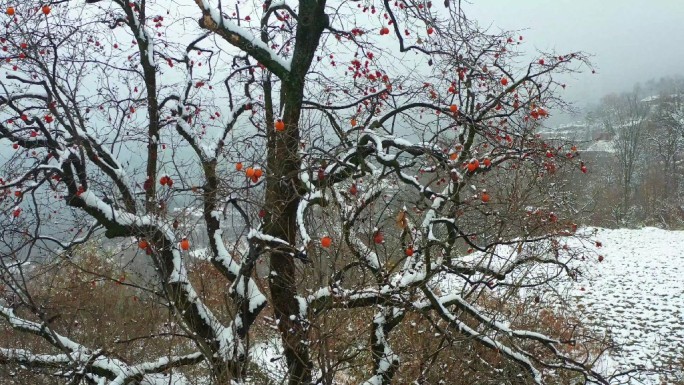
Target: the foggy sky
(631, 40)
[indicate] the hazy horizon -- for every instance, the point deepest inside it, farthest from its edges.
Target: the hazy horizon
(631, 41)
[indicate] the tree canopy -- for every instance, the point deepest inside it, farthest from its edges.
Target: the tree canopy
(352, 176)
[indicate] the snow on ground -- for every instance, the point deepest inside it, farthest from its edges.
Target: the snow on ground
(637, 295)
(631, 289)
(268, 356)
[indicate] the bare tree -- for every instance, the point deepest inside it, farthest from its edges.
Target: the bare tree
(381, 157)
(668, 135)
(626, 116)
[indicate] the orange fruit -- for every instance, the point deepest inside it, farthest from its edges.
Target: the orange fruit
(485, 197)
(473, 165)
(326, 241)
(185, 244)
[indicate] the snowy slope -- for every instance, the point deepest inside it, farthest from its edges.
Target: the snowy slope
(637, 295)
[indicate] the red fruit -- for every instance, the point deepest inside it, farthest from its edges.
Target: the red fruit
(409, 251)
(599, 244)
(326, 241)
(453, 108)
(378, 237)
(16, 213)
(164, 180)
(279, 125)
(262, 213)
(353, 190)
(485, 197)
(430, 30)
(249, 173)
(487, 162)
(600, 258)
(143, 244)
(46, 9)
(17, 194)
(584, 169)
(185, 244)
(541, 61)
(504, 81)
(15, 146)
(238, 166)
(258, 173)
(473, 165)
(10, 11)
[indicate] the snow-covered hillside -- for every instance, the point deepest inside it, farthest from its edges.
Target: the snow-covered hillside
(637, 295)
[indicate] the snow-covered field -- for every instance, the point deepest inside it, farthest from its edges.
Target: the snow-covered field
(637, 295)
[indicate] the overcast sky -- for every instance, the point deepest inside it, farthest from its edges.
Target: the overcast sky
(631, 40)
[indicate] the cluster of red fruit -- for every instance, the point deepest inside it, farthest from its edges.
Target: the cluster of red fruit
(253, 173)
(166, 181)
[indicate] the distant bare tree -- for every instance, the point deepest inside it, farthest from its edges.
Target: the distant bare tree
(626, 116)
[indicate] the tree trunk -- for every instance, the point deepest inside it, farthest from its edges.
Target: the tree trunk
(282, 194)
(282, 200)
